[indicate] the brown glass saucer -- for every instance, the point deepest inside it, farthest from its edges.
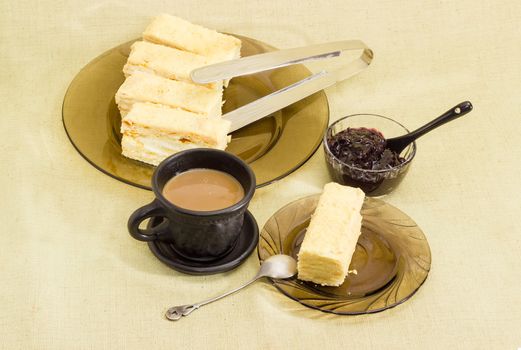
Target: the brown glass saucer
(245, 245)
(274, 146)
(392, 258)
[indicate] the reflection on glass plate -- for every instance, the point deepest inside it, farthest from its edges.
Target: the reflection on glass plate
(274, 146)
(392, 258)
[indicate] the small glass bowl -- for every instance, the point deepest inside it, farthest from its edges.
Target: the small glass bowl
(372, 182)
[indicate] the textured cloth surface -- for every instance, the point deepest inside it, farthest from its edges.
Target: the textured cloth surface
(71, 276)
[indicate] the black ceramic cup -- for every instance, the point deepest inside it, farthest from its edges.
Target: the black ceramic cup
(196, 235)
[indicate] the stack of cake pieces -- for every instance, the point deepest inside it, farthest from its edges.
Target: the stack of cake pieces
(163, 111)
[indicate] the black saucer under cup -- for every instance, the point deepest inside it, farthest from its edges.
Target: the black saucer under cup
(195, 235)
(246, 244)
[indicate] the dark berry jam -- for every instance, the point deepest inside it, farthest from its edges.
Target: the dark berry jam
(352, 153)
(363, 148)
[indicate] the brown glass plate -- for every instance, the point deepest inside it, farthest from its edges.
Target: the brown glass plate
(273, 147)
(392, 258)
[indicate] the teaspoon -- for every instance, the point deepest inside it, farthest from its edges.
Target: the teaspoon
(276, 266)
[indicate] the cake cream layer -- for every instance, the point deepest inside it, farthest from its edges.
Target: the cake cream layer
(150, 133)
(331, 237)
(164, 61)
(178, 33)
(144, 87)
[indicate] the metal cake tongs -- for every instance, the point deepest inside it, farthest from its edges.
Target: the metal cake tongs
(279, 99)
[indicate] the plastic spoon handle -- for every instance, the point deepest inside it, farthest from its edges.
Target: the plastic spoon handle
(397, 144)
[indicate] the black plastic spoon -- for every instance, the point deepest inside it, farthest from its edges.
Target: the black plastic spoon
(398, 144)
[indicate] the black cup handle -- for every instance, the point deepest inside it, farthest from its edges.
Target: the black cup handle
(151, 210)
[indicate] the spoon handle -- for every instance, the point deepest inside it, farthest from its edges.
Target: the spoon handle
(455, 112)
(176, 312)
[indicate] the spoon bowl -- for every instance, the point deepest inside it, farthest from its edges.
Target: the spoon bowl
(278, 266)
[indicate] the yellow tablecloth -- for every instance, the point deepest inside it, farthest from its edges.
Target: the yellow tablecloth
(71, 276)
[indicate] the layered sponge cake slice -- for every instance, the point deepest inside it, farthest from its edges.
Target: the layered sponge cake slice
(164, 61)
(150, 133)
(331, 237)
(144, 87)
(180, 34)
